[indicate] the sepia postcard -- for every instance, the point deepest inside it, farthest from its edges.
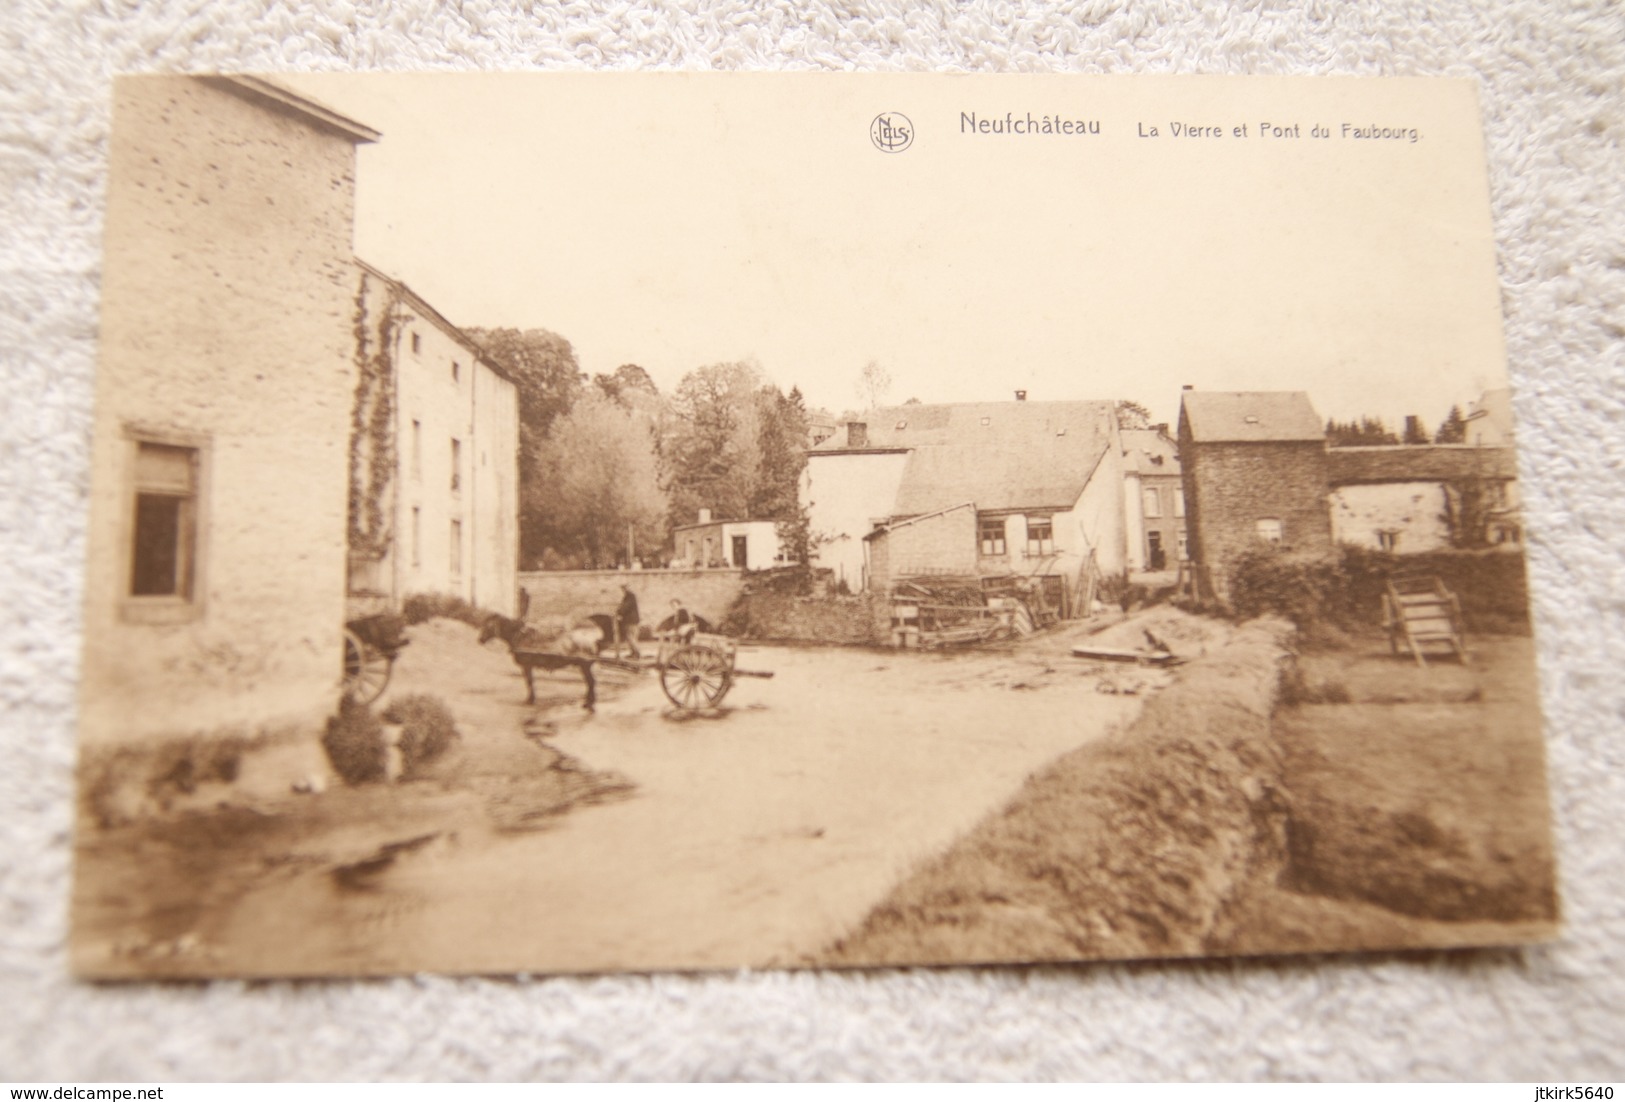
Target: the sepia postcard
(598, 522)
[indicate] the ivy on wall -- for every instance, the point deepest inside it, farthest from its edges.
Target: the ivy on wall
(372, 425)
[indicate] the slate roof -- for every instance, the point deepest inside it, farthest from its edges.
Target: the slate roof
(1143, 448)
(1251, 416)
(1420, 463)
(979, 424)
(998, 455)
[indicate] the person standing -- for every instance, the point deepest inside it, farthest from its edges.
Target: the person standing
(683, 625)
(626, 620)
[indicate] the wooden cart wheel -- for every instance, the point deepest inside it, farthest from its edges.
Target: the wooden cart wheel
(366, 671)
(696, 677)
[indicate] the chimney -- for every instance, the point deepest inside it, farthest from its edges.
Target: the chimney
(705, 516)
(1187, 386)
(857, 434)
(1021, 395)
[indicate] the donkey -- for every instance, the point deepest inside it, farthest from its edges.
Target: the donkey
(574, 647)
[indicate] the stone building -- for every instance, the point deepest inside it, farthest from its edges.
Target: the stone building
(738, 544)
(434, 476)
(1258, 473)
(998, 489)
(1153, 500)
(1411, 499)
(215, 569)
(1254, 467)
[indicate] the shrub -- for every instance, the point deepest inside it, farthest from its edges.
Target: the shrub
(1345, 591)
(421, 607)
(427, 728)
(354, 742)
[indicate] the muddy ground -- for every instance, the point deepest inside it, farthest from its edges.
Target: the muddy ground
(633, 837)
(869, 807)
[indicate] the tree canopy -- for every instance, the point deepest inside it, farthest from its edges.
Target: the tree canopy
(548, 378)
(595, 484)
(1364, 432)
(1453, 429)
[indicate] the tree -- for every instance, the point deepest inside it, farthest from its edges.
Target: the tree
(874, 383)
(1132, 415)
(710, 456)
(597, 477)
(781, 447)
(1415, 433)
(1453, 429)
(625, 381)
(543, 367)
(1365, 432)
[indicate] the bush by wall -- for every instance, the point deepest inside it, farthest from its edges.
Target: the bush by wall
(421, 607)
(354, 742)
(1346, 591)
(427, 729)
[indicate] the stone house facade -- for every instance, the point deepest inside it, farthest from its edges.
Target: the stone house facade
(1258, 473)
(215, 569)
(1254, 469)
(434, 471)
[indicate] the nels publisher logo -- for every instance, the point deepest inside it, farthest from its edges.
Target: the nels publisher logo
(892, 132)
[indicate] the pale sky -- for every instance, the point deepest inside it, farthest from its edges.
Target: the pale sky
(678, 220)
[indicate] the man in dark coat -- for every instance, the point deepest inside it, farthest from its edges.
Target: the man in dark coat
(626, 620)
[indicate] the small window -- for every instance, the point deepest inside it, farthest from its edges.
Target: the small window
(1269, 530)
(417, 536)
(1179, 501)
(456, 465)
(901, 425)
(990, 534)
(986, 421)
(417, 449)
(1387, 539)
(417, 343)
(163, 547)
(1153, 503)
(456, 372)
(1184, 546)
(1040, 536)
(456, 549)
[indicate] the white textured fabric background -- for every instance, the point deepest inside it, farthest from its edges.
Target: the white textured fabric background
(1551, 78)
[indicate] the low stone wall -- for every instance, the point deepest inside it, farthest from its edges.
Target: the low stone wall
(576, 593)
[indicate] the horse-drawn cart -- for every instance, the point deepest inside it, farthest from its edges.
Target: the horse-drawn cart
(371, 645)
(696, 672)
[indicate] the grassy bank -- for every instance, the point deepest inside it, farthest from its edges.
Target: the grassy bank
(1126, 847)
(1378, 806)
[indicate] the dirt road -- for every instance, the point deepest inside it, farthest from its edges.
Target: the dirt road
(750, 837)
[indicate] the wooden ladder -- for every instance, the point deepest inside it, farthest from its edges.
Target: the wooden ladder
(1421, 612)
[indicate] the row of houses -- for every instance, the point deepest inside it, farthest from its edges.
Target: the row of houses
(1058, 494)
(284, 436)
